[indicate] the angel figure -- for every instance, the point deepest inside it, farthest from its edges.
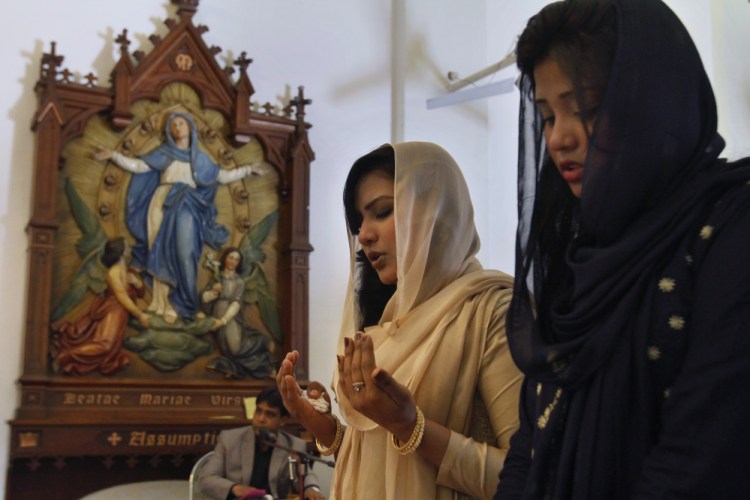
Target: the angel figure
(93, 340)
(239, 279)
(88, 324)
(171, 213)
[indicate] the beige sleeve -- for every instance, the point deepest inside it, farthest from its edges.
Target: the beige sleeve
(472, 466)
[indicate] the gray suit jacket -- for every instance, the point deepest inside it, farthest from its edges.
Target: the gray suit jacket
(232, 463)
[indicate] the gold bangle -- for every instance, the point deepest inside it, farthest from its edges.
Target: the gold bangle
(336, 440)
(416, 436)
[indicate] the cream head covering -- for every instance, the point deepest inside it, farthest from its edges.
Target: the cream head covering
(436, 242)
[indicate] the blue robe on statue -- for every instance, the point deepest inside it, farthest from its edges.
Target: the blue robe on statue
(189, 219)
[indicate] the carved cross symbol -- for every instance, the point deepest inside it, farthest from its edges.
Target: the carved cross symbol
(52, 61)
(114, 439)
(90, 78)
(66, 74)
(122, 39)
(243, 61)
(299, 102)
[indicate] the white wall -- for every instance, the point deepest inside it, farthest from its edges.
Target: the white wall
(341, 52)
(457, 37)
(731, 66)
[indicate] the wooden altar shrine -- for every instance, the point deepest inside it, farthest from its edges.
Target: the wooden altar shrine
(76, 432)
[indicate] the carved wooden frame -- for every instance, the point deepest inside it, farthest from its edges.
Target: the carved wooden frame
(45, 426)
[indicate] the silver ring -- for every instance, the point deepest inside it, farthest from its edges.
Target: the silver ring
(358, 386)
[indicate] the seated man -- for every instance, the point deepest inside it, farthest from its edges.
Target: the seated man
(243, 460)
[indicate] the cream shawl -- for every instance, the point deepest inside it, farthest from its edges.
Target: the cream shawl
(433, 333)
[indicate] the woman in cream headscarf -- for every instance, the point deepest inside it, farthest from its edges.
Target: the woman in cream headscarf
(428, 369)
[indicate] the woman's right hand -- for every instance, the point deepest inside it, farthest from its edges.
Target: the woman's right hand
(325, 427)
(299, 408)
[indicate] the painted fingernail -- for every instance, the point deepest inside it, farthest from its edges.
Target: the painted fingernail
(357, 336)
(346, 341)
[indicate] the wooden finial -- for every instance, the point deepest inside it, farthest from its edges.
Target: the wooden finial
(186, 8)
(50, 62)
(243, 62)
(123, 41)
(300, 102)
(66, 74)
(90, 79)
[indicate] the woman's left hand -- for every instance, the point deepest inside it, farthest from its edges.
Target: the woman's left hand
(381, 399)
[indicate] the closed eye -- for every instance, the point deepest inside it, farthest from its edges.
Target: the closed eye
(589, 113)
(384, 214)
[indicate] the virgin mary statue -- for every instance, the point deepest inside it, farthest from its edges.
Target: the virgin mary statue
(171, 213)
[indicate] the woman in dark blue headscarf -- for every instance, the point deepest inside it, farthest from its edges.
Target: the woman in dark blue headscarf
(631, 305)
(171, 213)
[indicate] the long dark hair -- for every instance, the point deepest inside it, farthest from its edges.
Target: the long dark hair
(371, 295)
(581, 37)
